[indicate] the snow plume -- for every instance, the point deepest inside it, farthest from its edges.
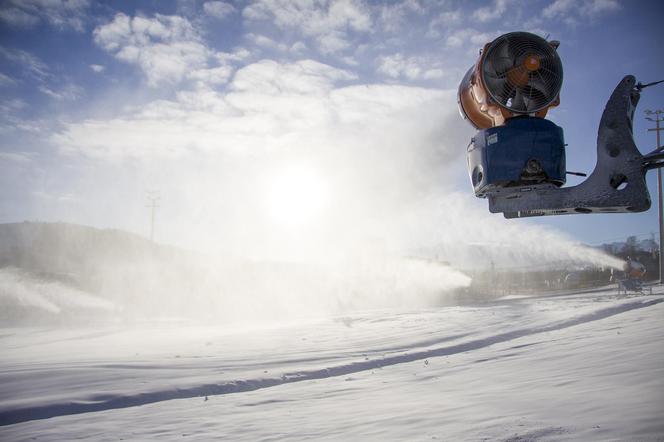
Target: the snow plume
(269, 291)
(20, 289)
(404, 282)
(461, 230)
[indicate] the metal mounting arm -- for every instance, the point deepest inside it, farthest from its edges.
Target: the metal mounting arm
(616, 185)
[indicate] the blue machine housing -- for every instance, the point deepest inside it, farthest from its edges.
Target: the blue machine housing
(524, 152)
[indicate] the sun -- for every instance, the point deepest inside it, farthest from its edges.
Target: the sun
(297, 195)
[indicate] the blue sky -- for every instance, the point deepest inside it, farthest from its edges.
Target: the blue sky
(264, 122)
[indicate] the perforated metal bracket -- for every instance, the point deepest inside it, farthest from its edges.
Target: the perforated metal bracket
(617, 185)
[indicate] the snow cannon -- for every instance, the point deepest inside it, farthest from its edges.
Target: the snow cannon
(506, 96)
(634, 269)
(517, 158)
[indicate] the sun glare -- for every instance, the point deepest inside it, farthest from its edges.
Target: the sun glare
(297, 196)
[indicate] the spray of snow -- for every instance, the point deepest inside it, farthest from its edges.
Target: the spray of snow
(26, 290)
(456, 227)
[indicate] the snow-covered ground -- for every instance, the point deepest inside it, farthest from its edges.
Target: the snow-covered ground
(580, 367)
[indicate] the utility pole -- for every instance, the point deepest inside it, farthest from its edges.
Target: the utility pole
(656, 116)
(153, 203)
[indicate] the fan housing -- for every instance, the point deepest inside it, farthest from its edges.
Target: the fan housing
(517, 74)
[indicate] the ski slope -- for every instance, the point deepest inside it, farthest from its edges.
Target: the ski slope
(584, 366)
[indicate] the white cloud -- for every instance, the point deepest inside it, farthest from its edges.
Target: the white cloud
(395, 66)
(97, 68)
(349, 60)
(333, 41)
(476, 39)
(12, 119)
(447, 18)
(265, 42)
(443, 21)
(124, 31)
(303, 77)
(569, 10)
(8, 114)
(30, 63)
(218, 9)
(433, 74)
(298, 47)
(239, 54)
(68, 92)
(412, 68)
(212, 76)
(6, 80)
(167, 49)
(15, 104)
(18, 17)
(312, 18)
(17, 157)
(46, 82)
(458, 38)
(392, 17)
(491, 13)
(593, 8)
(329, 23)
(267, 104)
(63, 14)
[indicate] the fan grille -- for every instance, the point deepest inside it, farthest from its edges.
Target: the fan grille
(522, 72)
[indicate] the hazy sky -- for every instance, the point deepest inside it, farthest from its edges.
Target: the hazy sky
(333, 118)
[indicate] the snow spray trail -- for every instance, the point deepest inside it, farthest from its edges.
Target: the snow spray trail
(109, 402)
(473, 237)
(55, 297)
